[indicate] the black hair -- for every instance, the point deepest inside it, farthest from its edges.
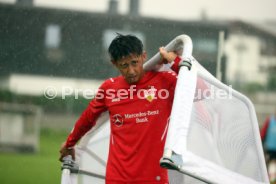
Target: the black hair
(124, 45)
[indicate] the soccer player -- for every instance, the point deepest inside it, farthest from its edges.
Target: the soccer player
(139, 104)
(268, 135)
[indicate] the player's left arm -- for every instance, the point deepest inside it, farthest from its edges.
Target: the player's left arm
(170, 57)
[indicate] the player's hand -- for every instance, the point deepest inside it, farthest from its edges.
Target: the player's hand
(167, 57)
(64, 151)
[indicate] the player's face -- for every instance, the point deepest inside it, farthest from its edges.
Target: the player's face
(131, 67)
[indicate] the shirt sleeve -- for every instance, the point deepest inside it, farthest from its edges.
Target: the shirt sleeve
(88, 118)
(175, 66)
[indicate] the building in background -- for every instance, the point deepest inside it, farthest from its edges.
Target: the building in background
(251, 53)
(56, 46)
(57, 43)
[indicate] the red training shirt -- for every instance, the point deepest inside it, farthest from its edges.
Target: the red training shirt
(138, 118)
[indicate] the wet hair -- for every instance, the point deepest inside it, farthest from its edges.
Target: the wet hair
(124, 45)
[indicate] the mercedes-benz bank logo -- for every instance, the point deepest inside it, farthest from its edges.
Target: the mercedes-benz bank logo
(117, 119)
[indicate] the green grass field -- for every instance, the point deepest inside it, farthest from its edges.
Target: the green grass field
(42, 167)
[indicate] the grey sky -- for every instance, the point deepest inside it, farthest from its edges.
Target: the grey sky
(251, 10)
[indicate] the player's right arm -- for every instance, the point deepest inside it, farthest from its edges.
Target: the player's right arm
(85, 122)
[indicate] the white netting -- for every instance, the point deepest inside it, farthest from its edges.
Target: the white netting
(223, 135)
(221, 131)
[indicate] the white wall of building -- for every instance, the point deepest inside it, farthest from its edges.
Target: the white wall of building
(245, 63)
(38, 85)
(243, 58)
